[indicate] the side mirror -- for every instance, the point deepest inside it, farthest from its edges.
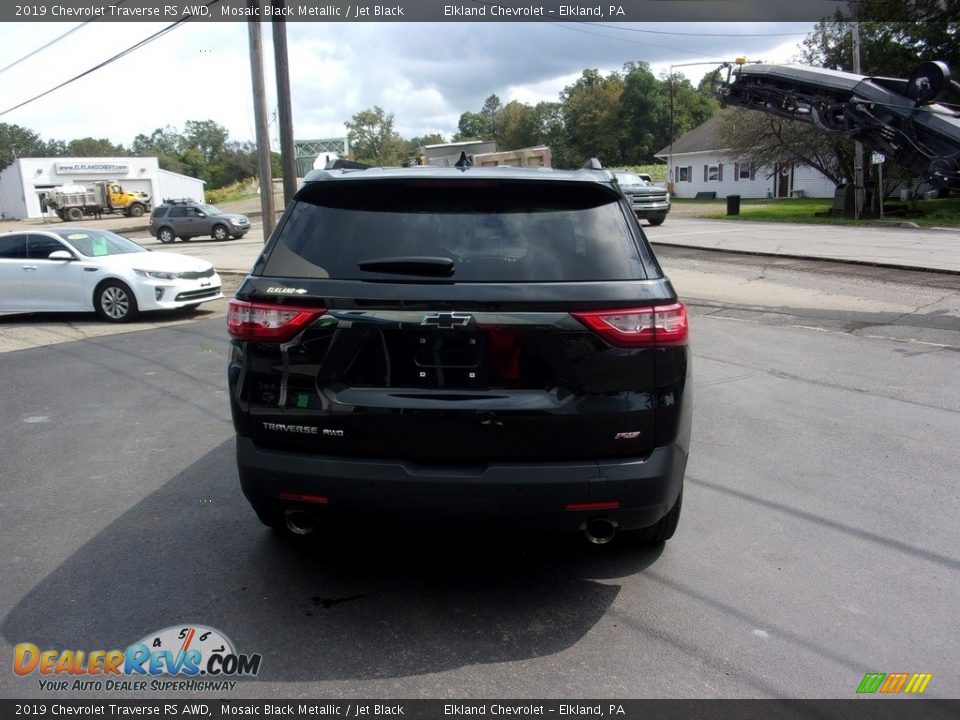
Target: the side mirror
(200, 214)
(60, 255)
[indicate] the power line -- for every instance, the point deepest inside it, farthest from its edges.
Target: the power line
(635, 42)
(52, 42)
(694, 34)
(44, 47)
(123, 53)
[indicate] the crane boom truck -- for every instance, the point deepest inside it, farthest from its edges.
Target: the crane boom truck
(902, 119)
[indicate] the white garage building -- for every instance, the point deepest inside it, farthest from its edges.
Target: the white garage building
(25, 184)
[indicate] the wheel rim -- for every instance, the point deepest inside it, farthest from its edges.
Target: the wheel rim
(166, 236)
(219, 233)
(115, 303)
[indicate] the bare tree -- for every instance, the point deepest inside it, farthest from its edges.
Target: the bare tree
(767, 141)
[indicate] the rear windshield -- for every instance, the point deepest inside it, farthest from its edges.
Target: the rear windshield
(493, 231)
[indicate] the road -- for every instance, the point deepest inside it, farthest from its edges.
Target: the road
(819, 537)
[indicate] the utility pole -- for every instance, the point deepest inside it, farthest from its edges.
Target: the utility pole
(260, 119)
(858, 185)
(284, 113)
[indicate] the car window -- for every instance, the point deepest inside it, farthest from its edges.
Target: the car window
(39, 247)
(97, 243)
(13, 247)
(159, 212)
(210, 210)
(493, 231)
(178, 212)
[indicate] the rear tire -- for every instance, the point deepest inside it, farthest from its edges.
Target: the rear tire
(74, 214)
(115, 302)
(165, 235)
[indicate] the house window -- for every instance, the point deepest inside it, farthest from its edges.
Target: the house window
(744, 171)
(713, 173)
(684, 174)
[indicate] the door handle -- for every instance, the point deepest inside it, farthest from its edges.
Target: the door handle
(29, 267)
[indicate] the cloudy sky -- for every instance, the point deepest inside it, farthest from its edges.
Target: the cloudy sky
(425, 74)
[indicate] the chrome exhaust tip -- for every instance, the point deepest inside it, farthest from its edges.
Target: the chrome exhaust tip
(599, 531)
(300, 522)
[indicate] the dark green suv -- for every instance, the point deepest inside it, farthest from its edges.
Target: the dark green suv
(187, 219)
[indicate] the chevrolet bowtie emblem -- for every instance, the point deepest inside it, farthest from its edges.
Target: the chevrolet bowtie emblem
(447, 320)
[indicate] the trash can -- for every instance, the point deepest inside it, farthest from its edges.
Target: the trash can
(733, 204)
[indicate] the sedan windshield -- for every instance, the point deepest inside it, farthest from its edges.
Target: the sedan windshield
(97, 243)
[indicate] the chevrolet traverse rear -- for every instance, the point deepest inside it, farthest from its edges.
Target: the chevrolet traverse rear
(461, 346)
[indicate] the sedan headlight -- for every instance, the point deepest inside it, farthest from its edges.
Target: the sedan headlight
(156, 275)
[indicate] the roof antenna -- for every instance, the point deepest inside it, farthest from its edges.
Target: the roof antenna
(464, 162)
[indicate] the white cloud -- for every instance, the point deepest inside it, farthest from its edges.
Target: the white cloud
(425, 74)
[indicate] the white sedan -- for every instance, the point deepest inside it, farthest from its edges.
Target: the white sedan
(74, 269)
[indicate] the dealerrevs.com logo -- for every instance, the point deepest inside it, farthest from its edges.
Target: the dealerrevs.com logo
(178, 658)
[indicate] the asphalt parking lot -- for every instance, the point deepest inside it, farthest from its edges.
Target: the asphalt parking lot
(819, 539)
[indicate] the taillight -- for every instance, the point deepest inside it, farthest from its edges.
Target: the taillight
(658, 326)
(267, 322)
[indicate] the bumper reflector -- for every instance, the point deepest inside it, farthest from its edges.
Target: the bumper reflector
(602, 505)
(298, 497)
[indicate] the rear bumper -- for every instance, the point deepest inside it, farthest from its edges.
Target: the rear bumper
(525, 495)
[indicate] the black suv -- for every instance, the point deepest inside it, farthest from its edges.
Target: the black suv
(187, 219)
(461, 345)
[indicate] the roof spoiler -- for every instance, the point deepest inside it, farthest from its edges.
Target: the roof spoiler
(341, 164)
(592, 164)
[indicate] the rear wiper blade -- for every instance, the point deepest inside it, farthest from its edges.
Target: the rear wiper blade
(409, 265)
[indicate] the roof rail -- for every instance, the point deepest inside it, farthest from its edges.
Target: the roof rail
(179, 201)
(341, 164)
(464, 162)
(592, 164)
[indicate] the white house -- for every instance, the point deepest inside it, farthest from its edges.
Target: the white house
(696, 163)
(25, 184)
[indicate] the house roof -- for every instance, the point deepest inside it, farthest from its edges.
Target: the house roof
(702, 138)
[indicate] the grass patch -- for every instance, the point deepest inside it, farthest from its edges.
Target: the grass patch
(925, 213)
(240, 190)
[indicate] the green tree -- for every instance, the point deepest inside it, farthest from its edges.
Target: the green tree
(206, 136)
(162, 141)
(644, 113)
(552, 131)
(415, 143)
(473, 126)
(895, 37)
(17, 142)
(518, 126)
(591, 110)
(692, 106)
(373, 138)
(94, 147)
(491, 112)
(164, 144)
